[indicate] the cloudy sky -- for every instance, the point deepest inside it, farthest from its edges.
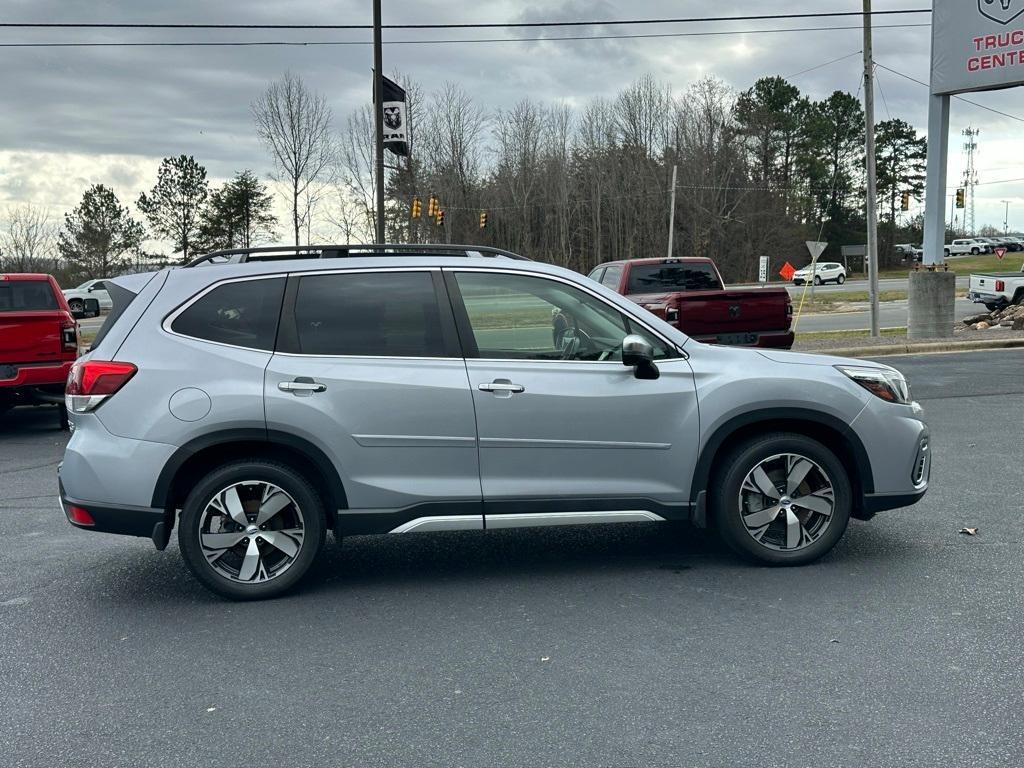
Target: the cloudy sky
(71, 117)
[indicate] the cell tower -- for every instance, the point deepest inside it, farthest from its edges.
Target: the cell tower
(970, 176)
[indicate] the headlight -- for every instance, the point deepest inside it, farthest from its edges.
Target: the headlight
(881, 382)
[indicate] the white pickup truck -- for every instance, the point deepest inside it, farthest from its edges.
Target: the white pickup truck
(997, 289)
(967, 245)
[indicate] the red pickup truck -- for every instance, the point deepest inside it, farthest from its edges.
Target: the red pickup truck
(38, 341)
(689, 293)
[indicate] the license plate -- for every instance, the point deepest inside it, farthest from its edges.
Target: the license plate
(738, 339)
(8, 372)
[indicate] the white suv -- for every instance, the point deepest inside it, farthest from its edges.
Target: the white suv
(826, 272)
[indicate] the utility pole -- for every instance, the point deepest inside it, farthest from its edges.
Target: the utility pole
(872, 191)
(672, 211)
(378, 111)
(1006, 217)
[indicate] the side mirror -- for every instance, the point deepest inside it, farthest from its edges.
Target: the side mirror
(90, 308)
(639, 355)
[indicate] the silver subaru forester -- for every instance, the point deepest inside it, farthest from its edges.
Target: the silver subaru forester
(258, 399)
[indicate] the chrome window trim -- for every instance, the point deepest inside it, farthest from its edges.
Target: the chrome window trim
(681, 354)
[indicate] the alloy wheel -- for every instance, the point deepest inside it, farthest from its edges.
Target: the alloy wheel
(786, 502)
(251, 532)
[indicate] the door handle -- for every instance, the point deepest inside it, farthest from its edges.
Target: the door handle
(503, 386)
(302, 385)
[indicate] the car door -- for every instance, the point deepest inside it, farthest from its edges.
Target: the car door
(367, 367)
(564, 427)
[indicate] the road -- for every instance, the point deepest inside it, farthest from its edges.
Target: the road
(884, 284)
(891, 314)
(603, 646)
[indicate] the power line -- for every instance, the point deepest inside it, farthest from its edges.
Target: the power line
(459, 41)
(486, 25)
(960, 98)
(826, 64)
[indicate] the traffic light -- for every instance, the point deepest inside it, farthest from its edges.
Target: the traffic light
(905, 205)
(432, 206)
(440, 217)
(417, 208)
(483, 219)
(960, 195)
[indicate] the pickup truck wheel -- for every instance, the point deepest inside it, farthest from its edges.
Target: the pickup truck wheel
(251, 529)
(781, 499)
(945, 252)
(76, 305)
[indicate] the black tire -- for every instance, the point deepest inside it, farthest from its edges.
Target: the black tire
(945, 252)
(742, 460)
(817, 280)
(841, 279)
(992, 307)
(306, 500)
(975, 251)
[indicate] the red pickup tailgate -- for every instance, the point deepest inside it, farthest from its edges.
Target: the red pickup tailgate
(28, 337)
(738, 317)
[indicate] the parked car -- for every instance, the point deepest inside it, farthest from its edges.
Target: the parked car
(997, 289)
(90, 289)
(1014, 243)
(968, 245)
(38, 341)
(823, 272)
(434, 388)
(689, 294)
(909, 252)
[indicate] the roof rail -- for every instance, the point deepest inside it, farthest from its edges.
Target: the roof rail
(285, 252)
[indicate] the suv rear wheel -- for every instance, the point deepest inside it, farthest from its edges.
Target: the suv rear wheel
(251, 529)
(782, 499)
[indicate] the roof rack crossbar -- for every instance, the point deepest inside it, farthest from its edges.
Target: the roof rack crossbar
(242, 255)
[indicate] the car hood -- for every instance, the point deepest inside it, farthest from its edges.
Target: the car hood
(801, 358)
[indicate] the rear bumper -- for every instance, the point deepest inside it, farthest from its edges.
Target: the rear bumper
(48, 377)
(769, 340)
(986, 298)
(126, 521)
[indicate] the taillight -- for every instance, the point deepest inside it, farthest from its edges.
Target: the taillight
(1000, 285)
(69, 334)
(79, 515)
(93, 381)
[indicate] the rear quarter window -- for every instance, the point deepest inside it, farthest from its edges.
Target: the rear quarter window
(242, 313)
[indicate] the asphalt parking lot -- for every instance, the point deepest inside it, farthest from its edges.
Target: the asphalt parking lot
(603, 646)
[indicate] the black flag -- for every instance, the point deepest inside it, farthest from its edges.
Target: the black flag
(396, 119)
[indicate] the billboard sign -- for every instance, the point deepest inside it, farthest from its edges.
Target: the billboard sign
(977, 45)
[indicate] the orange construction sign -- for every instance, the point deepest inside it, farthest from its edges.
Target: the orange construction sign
(787, 271)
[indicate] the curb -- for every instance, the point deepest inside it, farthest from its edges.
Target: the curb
(912, 348)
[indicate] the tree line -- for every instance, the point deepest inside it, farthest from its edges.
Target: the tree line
(759, 172)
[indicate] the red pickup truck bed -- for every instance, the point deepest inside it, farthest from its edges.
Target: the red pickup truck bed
(689, 294)
(38, 340)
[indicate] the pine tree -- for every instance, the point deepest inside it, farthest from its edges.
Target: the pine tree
(99, 234)
(173, 205)
(237, 215)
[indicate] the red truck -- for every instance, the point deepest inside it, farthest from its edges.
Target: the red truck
(689, 293)
(38, 341)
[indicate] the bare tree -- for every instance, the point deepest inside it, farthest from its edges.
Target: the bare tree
(295, 125)
(28, 240)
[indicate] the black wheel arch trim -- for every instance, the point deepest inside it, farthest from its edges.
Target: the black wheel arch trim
(165, 482)
(778, 416)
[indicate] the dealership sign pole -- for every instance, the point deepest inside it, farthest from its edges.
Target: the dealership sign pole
(977, 45)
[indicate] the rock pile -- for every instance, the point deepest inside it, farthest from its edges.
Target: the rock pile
(1009, 317)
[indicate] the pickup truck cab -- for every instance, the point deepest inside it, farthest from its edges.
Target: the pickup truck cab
(968, 245)
(997, 289)
(689, 293)
(38, 341)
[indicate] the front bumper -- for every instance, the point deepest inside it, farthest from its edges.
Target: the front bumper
(898, 445)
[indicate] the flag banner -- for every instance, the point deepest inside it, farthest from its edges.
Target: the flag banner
(396, 119)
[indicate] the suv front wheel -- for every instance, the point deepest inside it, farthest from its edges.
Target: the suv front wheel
(251, 529)
(782, 499)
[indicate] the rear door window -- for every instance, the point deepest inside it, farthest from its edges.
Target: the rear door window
(26, 295)
(242, 313)
(368, 314)
(612, 277)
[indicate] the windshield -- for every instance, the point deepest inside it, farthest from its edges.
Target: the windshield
(651, 278)
(26, 295)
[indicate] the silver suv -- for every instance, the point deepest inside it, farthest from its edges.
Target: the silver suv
(259, 399)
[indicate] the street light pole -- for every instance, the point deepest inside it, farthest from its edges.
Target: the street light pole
(672, 211)
(1006, 217)
(378, 110)
(872, 191)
